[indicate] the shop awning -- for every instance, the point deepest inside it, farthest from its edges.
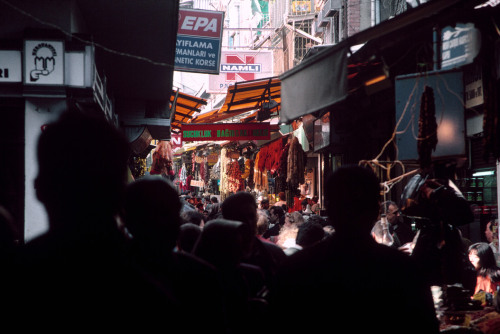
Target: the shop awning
(244, 97)
(321, 80)
(185, 106)
(315, 84)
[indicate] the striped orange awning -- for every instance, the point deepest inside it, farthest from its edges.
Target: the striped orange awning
(186, 105)
(244, 97)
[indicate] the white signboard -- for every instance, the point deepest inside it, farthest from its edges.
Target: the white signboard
(238, 66)
(43, 62)
(473, 82)
(10, 66)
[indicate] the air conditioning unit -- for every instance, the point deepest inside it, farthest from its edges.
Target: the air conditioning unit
(331, 7)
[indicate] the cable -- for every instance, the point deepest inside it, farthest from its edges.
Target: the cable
(69, 34)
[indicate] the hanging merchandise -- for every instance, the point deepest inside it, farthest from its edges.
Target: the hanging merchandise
(234, 181)
(427, 128)
(280, 174)
(260, 175)
(295, 164)
(183, 177)
(205, 176)
(162, 159)
(223, 176)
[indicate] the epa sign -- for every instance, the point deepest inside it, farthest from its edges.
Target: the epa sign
(199, 37)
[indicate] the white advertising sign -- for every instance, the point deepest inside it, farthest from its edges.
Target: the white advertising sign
(43, 62)
(238, 66)
(10, 66)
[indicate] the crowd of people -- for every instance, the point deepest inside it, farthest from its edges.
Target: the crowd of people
(121, 255)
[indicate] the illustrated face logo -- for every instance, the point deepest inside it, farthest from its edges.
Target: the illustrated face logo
(240, 69)
(45, 60)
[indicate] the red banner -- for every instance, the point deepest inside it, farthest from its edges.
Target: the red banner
(226, 131)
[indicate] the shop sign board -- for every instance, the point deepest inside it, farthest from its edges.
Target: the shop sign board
(43, 62)
(199, 37)
(226, 131)
(10, 66)
(460, 45)
(449, 113)
(473, 82)
(238, 66)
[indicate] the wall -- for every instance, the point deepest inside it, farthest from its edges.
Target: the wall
(37, 113)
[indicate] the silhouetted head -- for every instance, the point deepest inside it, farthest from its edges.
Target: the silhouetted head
(82, 163)
(188, 236)
(352, 199)
(152, 212)
(221, 243)
(310, 232)
(242, 207)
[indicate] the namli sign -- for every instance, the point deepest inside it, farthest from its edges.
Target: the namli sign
(226, 131)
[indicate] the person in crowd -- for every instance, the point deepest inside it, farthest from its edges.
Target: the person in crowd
(152, 215)
(194, 217)
(242, 207)
(288, 232)
(223, 243)
(214, 212)
(276, 219)
(488, 273)
(282, 199)
(488, 233)
(309, 233)
(438, 247)
(400, 230)
(199, 207)
(262, 224)
(264, 205)
(305, 207)
(78, 268)
(315, 207)
(188, 236)
(348, 278)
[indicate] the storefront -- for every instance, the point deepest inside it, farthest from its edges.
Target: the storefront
(84, 54)
(380, 75)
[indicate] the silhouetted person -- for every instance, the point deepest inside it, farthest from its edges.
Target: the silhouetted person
(152, 216)
(348, 278)
(223, 243)
(242, 207)
(188, 236)
(76, 274)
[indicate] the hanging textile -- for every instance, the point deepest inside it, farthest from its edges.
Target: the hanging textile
(262, 158)
(300, 134)
(206, 173)
(223, 176)
(295, 163)
(162, 158)
(274, 156)
(234, 181)
(427, 128)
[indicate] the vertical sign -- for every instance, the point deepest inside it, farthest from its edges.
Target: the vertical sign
(199, 37)
(43, 62)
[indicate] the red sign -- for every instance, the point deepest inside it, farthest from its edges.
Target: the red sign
(226, 131)
(176, 140)
(200, 23)
(246, 73)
